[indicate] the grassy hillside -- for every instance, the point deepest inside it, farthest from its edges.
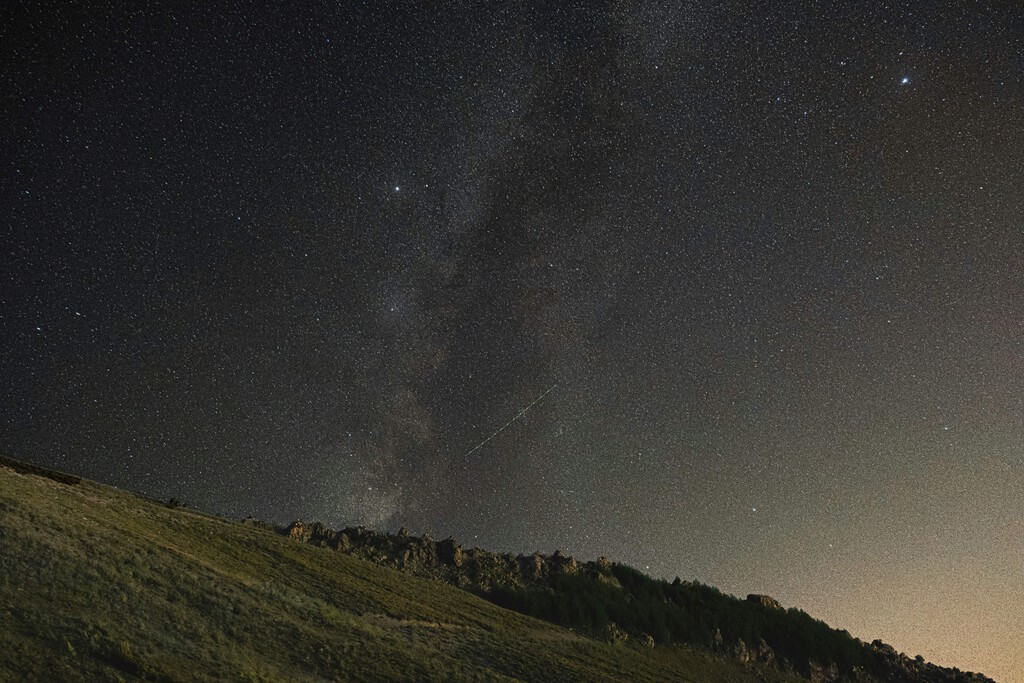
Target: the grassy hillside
(614, 602)
(99, 584)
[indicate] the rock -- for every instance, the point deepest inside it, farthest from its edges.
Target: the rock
(565, 564)
(821, 674)
(742, 652)
(609, 580)
(450, 552)
(716, 640)
(320, 534)
(532, 567)
(614, 634)
(403, 534)
(647, 640)
(314, 533)
(298, 531)
(764, 653)
(764, 601)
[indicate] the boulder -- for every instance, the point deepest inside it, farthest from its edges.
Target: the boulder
(742, 652)
(764, 653)
(299, 531)
(532, 566)
(564, 564)
(613, 634)
(764, 601)
(320, 534)
(450, 552)
(717, 641)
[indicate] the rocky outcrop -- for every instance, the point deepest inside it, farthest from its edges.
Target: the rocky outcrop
(562, 564)
(741, 652)
(748, 654)
(763, 653)
(823, 674)
(613, 634)
(764, 601)
(532, 566)
(450, 552)
(315, 534)
(297, 531)
(447, 560)
(900, 667)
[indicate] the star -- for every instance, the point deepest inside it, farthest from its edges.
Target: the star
(904, 81)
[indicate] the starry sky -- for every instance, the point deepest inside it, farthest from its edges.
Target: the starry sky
(766, 260)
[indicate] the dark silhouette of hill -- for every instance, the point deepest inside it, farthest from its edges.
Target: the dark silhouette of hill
(616, 603)
(99, 584)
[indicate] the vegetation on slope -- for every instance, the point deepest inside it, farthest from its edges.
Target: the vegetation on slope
(614, 602)
(101, 585)
(689, 613)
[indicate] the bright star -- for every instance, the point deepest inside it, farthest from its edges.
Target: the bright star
(397, 188)
(906, 79)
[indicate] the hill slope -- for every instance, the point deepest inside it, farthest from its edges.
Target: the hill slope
(614, 602)
(100, 584)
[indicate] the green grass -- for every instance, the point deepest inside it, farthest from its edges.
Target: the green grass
(98, 584)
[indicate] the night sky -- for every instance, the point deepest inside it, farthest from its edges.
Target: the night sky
(768, 258)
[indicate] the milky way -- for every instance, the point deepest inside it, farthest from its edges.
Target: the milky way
(300, 262)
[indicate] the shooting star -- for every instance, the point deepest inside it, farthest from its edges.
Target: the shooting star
(502, 428)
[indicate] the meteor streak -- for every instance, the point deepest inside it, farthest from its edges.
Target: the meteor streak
(518, 415)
